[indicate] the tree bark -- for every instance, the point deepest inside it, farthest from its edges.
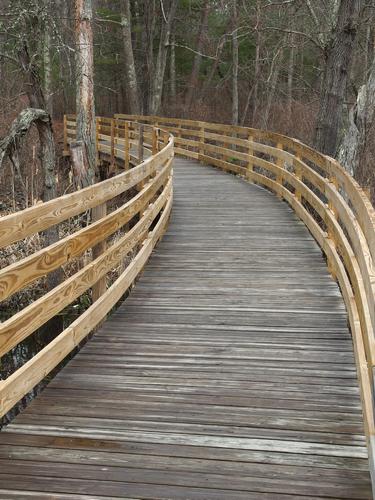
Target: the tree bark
(172, 69)
(10, 144)
(194, 76)
(273, 79)
(85, 102)
(290, 77)
(35, 95)
(257, 62)
(130, 71)
(361, 117)
(33, 88)
(47, 71)
(235, 66)
(148, 35)
(161, 61)
(339, 55)
(214, 67)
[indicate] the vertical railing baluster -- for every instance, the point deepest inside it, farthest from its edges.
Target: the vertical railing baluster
(66, 150)
(100, 286)
(141, 184)
(154, 140)
(279, 175)
(250, 152)
(201, 150)
(98, 213)
(140, 142)
(112, 142)
(127, 145)
(97, 139)
(298, 174)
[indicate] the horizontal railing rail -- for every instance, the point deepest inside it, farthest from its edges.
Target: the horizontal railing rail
(324, 196)
(143, 155)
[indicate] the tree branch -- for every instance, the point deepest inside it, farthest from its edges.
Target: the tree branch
(19, 128)
(301, 33)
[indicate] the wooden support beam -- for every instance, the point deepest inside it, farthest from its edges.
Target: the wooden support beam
(250, 152)
(127, 146)
(66, 145)
(112, 142)
(279, 163)
(100, 286)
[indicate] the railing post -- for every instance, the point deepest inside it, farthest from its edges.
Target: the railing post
(126, 146)
(201, 149)
(97, 132)
(333, 181)
(154, 140)
(141, 184)
(112, 142)
(298, 174)
(279, 175)
(100, 286)
(66, 147)
(332, 208)
(140, 142)
(165, 138)
(98, 213)
(250, 152)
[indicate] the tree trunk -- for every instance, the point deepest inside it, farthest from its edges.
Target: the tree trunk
(86, 134)
(339, 55)
(148, 35)
(361, 117)
(273, 79)
(172, 68)
(130, 72)
(47, 71)
(161, 61)
(33, 88)
(235, 66)
(290, 78)
(208, 80)
(194, 76)
(257, 64)
(85, 83)
(47, 143)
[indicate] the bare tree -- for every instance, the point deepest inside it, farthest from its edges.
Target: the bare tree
(172, 69)
(361, 118)
(339, 55)
(235, 65)
(130, 72)
(85, 84)
(193, 80)
(161, 61)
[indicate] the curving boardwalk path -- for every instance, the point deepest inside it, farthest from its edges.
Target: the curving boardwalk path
(227, 374)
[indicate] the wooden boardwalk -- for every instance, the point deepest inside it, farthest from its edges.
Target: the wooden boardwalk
(228, 373)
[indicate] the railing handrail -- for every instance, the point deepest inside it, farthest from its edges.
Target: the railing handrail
(152, 177)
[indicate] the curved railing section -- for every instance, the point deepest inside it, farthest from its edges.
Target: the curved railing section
(324, 196)
(146, 184)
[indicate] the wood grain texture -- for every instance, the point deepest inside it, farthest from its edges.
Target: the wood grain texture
(325, 197)
(19, 225)
(229, 372)
(29, 269)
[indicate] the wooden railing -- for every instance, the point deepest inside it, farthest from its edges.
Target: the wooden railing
(324, 196)
(147, 212)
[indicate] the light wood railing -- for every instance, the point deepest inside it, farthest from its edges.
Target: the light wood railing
(147, 212)
(324, 196)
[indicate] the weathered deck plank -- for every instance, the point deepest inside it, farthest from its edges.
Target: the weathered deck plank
(227, 374)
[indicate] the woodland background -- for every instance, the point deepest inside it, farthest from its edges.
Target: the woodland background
(276, 64)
